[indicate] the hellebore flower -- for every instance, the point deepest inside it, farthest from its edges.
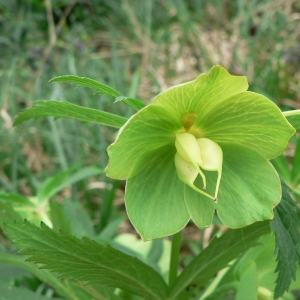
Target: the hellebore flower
(200, 147)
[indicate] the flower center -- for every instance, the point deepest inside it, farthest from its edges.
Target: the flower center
(196, 154)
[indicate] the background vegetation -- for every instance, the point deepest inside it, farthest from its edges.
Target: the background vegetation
(140, 48)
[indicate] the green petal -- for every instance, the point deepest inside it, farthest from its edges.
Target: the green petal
(250, 188)
(155, 198)
(250, 120)
(201, 209)
(203, 94)
(139, 140)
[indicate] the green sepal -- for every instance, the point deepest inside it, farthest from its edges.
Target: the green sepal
(140, 140)
(250, 188)
(155, 199)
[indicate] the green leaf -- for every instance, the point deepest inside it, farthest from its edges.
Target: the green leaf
(133, 102)
(296, 165)
(286, 225)
(282, 167)
(102, 89)
(293, 116)
(15, 199)
(58, 217)
(61, 109)
(248, 286)
(63, 287)
(55, 184)
(217, 255)
(7, 214)
(89, 83)
(10, 292)
(163, 211)
(86, 260)
(79, 220)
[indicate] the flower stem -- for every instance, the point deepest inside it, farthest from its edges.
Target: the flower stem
(174, 259)
(291, 113)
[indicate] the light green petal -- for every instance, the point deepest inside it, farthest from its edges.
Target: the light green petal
(250, 120)
(201, 209)
(140, 140)
(155, 198)
(250, 188)
(203, 94)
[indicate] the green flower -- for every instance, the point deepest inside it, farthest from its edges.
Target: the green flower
(200, 147)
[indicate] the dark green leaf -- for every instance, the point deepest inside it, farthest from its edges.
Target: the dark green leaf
(133, 102)
(85, 260)
(61, 109)
(101, 88)
(286, 225)
(217, 255)
(65, 288)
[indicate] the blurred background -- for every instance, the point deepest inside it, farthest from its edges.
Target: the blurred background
(139, 48)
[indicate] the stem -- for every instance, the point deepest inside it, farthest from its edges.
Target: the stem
(291, 113)
(174, 259)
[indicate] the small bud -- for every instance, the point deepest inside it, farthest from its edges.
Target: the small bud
(212, 159)
(187, 147)
(188, 174)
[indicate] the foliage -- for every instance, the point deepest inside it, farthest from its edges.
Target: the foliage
(136, 49)
(286, 228)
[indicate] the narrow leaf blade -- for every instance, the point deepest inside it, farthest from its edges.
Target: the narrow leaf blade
(217, 255)
(286, 225)
(61, 109)
(133, 102)
(101, 88)
(85, 260)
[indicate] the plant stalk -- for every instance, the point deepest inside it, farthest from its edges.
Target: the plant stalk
(174, 259)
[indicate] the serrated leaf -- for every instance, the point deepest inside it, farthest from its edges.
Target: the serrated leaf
(101, 88)
(133, 102)
(286, 225)
(63, 287)
(217, 255)
(85, 260)
(61, 109)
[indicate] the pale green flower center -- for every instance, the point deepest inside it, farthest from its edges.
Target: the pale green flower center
(196, 154)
